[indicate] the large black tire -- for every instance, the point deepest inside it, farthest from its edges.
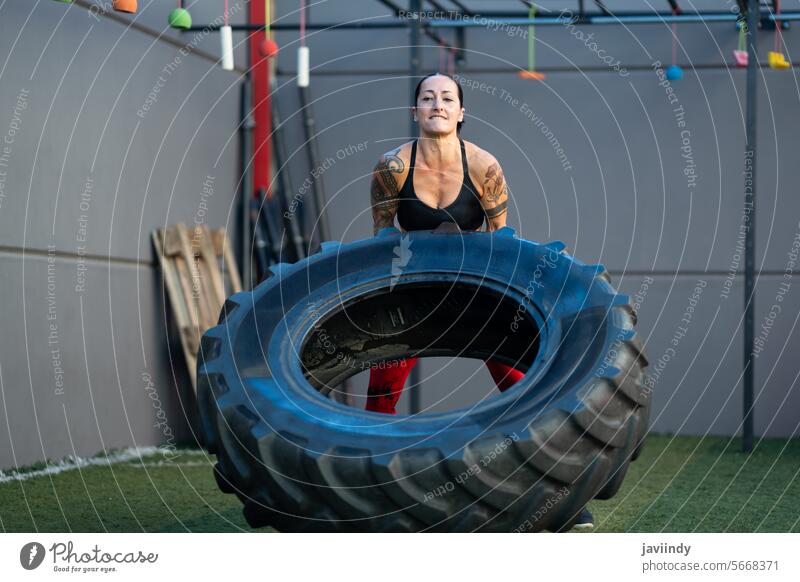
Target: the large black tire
(526, 460)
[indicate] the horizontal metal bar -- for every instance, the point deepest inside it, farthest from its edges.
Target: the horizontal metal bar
(466, 72)
(484, 21)
(657, 18)
(713, 17)
(316, 26)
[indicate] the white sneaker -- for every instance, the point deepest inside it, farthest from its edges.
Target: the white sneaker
(585, 521)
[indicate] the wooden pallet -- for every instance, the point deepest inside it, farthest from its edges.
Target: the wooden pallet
(199, 273)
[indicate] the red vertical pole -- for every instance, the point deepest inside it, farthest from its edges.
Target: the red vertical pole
(259, 71)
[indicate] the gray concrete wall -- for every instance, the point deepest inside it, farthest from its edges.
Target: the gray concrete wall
(623, 200)
(87, 174)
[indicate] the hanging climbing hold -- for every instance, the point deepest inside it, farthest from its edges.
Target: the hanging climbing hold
(674, 73)
(531, 73)
(777, 60)
(740, 58)
(129, 6)
(269, 48)
(180, 19)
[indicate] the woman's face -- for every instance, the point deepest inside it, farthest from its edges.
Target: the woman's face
(438, 109)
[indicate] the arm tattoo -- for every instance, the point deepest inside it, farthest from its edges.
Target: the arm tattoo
(494, 184)
(497, 210)
(391, 163)
(495, 196)
(385, 196)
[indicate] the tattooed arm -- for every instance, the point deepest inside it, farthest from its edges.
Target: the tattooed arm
(495, 195)
(384, 190)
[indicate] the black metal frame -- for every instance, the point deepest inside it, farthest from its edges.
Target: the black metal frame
(466, 18)
(749, 243)
(747, 9)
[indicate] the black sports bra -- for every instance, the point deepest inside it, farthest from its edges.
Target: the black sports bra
(466, 210)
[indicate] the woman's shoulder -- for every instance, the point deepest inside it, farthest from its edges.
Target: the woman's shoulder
(392, 167)
(478, 158)
(484, 168)
(398, 159)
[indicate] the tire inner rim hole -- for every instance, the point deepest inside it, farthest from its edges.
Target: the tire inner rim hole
(423, 319)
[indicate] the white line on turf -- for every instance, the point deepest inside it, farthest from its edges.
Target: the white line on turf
(71, 463)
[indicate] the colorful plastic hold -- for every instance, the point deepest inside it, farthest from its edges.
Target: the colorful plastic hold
(65, 1)
(674, 73)
(129, 6)
(531, 75)
(740, 58)
(180, 18)
(269, 48)
(778, 61)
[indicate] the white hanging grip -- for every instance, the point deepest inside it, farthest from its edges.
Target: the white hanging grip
(302, 66)
(226, 37)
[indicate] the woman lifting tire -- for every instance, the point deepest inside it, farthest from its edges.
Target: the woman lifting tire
(416, 184)
(527, 460)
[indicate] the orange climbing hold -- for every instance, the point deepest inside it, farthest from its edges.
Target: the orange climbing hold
(125, 6)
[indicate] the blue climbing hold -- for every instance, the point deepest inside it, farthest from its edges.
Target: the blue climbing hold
(674, 73)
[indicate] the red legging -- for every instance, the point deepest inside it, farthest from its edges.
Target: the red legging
(386, 384)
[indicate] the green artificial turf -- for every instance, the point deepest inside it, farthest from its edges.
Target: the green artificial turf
(688, 484)
(679, 484)
(155, 494)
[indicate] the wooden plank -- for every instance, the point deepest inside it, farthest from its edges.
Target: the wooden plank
(173, 281)
(175, 290)
(203, 277)
(195, 265)
(218, 240)
(190, 339)
(197, 293)
(209, 257)
(226, 252)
